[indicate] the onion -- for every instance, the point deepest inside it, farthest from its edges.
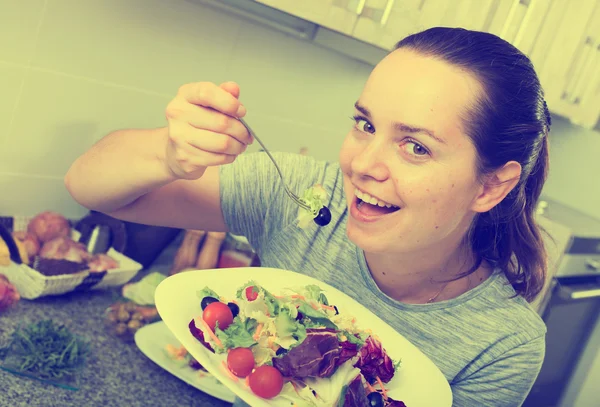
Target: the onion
(31, 243)
(49, 225)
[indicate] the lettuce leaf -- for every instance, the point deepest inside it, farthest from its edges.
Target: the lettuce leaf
(238, 334)
(319, 355)
(373, 362)
(354, 395)
(197, 333)
(333, 389)
(206, 292)
(317, 317)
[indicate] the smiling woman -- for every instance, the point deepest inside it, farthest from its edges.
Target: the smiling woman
(432, 200)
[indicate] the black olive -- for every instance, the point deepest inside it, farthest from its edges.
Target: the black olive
(234, 308)
(299, 316)
(281, 351)
(194, 364)
(323, 217)
(336, 310)
(207, 300)
(375, 399)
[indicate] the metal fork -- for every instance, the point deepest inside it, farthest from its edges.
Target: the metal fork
(323, 215)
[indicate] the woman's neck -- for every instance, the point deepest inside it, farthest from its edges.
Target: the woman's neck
(423, 277)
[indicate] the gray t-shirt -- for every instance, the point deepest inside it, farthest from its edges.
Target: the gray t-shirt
(489, 346)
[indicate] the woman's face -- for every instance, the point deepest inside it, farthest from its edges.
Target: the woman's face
(408, 149)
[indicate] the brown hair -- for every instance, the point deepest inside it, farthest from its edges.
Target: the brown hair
(509, 122)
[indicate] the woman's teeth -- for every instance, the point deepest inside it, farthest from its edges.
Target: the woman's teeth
(363, 196)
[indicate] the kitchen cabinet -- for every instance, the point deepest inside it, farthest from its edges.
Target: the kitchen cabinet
(565, 51)
(561, 37)
(385, 22)
(338, 15)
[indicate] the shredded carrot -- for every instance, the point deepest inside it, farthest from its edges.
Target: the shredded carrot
(371, 388)
(170, 349)
(294, 386)
(298, 296)
(231, 375)
(382, 387)
(258, 331)
(211, 333)
(329, 307)
(247, 381)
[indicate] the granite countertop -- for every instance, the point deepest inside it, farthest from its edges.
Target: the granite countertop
(116, 374)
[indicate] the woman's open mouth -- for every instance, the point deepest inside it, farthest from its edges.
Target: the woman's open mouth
(368, 208)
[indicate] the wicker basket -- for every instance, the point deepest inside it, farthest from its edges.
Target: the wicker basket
(32, 284)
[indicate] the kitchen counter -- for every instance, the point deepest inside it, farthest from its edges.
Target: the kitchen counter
(116, 374)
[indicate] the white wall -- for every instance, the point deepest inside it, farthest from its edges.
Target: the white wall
(72, 71)
(574, 167)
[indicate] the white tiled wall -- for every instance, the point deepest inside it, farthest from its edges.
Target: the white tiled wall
(72, 71)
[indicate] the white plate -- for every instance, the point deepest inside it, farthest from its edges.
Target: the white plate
(418, 382)
(152, 340)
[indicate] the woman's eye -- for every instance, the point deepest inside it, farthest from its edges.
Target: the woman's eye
(415, 149)
(418, 149)
(363, 125)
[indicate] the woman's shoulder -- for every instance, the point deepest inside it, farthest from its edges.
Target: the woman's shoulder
(509, 310)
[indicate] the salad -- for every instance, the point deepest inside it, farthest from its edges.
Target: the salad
(314, 197)
(296, 347)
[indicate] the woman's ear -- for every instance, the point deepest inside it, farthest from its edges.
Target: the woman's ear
(496, 186)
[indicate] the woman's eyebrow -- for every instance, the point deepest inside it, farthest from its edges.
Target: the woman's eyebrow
(402, 127)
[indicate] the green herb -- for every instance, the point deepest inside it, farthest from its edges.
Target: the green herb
(48, 350)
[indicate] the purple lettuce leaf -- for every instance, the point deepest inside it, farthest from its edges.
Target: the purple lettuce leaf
(374, 362)
(355, 394)
(197, 333)
(319, 355)
(347, 352)
(394, 403)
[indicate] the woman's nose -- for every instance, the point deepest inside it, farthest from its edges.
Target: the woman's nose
(370, 162)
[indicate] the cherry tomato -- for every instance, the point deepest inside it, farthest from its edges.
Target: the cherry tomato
(217, 312)
(266, 381)
(251, 293)
(240, 361)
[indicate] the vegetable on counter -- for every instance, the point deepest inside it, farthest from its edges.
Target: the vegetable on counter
(47, 350)
(142, 292)
(125, 318)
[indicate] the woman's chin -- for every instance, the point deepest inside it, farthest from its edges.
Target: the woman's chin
(367, 242)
